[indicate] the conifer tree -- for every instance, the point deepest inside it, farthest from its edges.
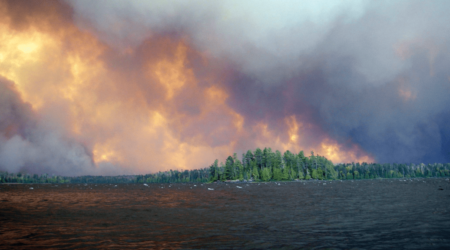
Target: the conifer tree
(255, 172)
(258, 157)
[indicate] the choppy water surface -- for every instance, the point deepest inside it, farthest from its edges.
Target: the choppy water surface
(367, 214)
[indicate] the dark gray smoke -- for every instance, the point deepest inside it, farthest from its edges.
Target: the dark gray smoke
(371, 73)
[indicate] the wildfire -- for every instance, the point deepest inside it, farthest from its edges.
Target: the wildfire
(332, 150)
(145, 108)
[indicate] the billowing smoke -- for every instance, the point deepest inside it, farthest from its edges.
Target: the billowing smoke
(375, 73)
(138, 86)
(30, 142)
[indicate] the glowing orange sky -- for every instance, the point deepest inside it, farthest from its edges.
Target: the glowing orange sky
(144, 109)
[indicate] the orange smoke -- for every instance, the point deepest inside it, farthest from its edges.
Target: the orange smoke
(295, 142)
(145, 108)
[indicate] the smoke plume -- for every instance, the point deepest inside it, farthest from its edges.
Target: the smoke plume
(110, 87)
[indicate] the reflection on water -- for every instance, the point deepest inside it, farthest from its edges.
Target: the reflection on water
(340, 215)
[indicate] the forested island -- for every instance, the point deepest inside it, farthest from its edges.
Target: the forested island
(259, 165)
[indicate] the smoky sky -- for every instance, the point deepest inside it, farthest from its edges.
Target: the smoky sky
(375, 73)
(31, 141)
(368, 75)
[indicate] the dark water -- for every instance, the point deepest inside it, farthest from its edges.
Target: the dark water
(367, 214)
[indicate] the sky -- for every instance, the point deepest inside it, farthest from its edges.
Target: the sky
(134, 87)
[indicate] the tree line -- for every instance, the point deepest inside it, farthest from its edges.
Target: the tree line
(265, 165)
(258, 165)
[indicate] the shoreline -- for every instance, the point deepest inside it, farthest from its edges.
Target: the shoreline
(239, 182)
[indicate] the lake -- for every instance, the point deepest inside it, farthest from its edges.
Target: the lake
(359, 214)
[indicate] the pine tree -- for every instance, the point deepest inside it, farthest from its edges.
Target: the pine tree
(255, 172)
(258, 157)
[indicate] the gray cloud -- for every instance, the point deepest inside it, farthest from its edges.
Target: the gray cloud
(30, 144)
